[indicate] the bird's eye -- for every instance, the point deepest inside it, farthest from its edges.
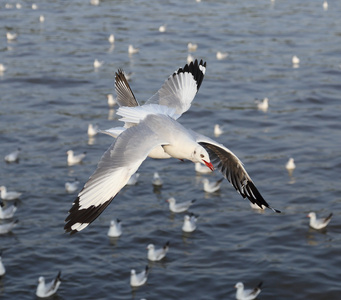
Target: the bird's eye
(202, 155)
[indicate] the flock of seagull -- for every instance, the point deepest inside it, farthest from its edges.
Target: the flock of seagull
(150, 130)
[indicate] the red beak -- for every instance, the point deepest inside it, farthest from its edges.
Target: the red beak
(209, 165)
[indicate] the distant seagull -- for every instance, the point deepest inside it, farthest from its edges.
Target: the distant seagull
(255, 206)
(211, 187)
(2, 68)
(263, 105)
(7, 227)
(18, 6)
(192, 47)
(290, 165)
(41, 19)
(318, 223)
(111, 39)
(218, 130)
(97, 63)
(221, 55)
(157, 254)
(325, 5)
(162, 28)
(115, 229)
(132, 50)
(11, 36)
(295, 61)
(138, 279)
(190, 223)
(45, 290)
(200, 168)
(13, 156)
(2, 267)
(71, 187)
(133, 179)
(8, 212)
(190, 58)
(111, 100)
(242, 294)
(34, 6)
(179, 207)
(92, 130)
(94, 2)
(8, 6)
(74, 159)
(157, 179)
(8, 195)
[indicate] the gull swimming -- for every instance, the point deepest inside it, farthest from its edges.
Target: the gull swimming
(242, 294)
(71, 187)
(162, 28)
(190, 223)
(2, 68)
(132, 50)
(157, 179)
(179, 207)
(138, 279)
(192, 47)
(152, 130)
(295, 61)
(18, 6)
(94, 2)
(111, 38)
(5, 195)
(200, 168)
(41, 19)
(318, 223)
(45, 290)
(34, 6)
(111, 100)
(8, 211)
(7, 227)
(73, 159)
(263, 105)
(157, 254)
(221, 55)
(97, 63)
(133, 179)
(290, 165)
(115, 229)
(92, 130)
(2, 267)
(325, 5)
(211, 187)
(11, 36)
(218, 130)
(13, 156)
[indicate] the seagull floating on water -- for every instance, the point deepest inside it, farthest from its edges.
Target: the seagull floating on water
(200, 168)
(7, 227)
(98, 64)
(13, 156)
(325, 5)
(290, 165)
(157, 254)
(2, 267)
(41, 19)
(154, 131)
(94, 2)
(71, 187)
(133, 179)
(8, 211)
(218, 130)
(157, 179)
(45, 290)
(179, 207)
(11, 36)
(5, 195)
(111, 39)
(211, 187)
(92, 130)
(74, 159)
(318, 223)
(138, 279)
(115, 229)
(221, 55)
(242, 294)
(263, 105)
(18, 6)
(132, 50)
(2, 68)
(192, 47)
(34, 6)
(190, 58)
(295, 60)
(111, 100)
(162, 28)
(190, 223)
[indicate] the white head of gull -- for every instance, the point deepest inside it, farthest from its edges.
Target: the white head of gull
(153, 130)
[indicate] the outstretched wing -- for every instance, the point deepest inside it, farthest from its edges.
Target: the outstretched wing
(118, 163)
(179, 89)
(125, 96)
(232, 169)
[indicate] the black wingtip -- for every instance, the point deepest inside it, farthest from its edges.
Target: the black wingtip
(260, 285)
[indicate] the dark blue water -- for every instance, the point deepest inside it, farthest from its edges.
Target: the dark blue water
(50, 92)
